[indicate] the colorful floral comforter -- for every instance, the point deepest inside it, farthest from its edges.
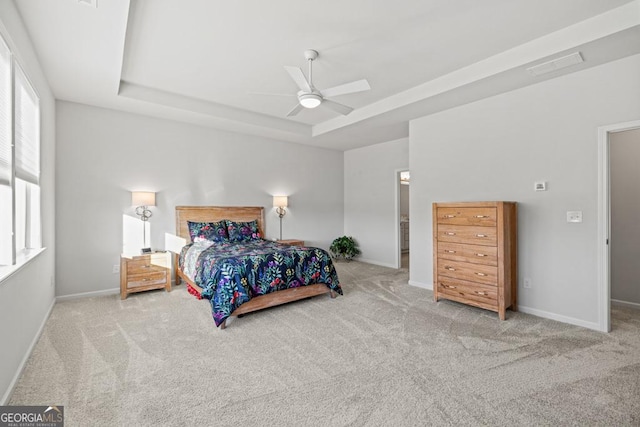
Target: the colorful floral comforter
(231, 273)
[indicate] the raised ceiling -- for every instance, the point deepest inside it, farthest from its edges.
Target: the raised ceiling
(199, 61)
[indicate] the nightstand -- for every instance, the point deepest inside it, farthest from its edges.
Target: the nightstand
(291, 242)
(144, 272)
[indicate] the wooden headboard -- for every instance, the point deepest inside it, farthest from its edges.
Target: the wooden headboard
(214, 214)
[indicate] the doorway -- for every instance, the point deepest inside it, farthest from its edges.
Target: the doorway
(624, 152)
(607, 135)
(403, 182)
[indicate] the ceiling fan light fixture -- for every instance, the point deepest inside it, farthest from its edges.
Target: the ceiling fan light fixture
(310, 100)
(310, 97)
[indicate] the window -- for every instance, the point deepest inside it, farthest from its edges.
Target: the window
(20, 229)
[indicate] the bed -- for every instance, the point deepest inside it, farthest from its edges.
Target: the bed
(240, 277)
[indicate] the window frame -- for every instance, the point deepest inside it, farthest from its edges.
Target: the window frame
(14, 259)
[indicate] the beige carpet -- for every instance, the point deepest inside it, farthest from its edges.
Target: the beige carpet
(383, 354)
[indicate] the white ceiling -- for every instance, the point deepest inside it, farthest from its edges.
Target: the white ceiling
(199, 60)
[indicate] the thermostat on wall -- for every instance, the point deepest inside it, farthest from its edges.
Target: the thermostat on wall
(540, 186)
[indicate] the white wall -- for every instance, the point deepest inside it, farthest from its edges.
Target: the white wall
(496, 148)
(624, 153)
(104, 154)
(370, 194)
(404, 200)
(27, 296)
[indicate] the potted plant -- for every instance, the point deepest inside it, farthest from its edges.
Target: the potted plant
(344, 247)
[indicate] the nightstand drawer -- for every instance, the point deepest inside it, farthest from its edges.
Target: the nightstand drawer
(154, 278)
(148, 261)
(140, 266)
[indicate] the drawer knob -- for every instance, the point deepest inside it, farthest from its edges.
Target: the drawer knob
(450, 233)
(446, 267)
(449, 251)
(481, 274)
(449, 216)
(482, 216)
(481, 235)
(146, 279)
(146, 266)
(447, 286)
(482, 293)
(480, 255)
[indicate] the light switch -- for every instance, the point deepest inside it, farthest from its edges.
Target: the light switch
(574, 216)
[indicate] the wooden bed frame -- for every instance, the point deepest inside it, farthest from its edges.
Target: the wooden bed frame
(184, 214)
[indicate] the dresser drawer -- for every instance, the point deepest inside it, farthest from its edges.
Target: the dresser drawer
(486, 217)
(468, 292)
(476, 254)
(484, 274)
(472, 235)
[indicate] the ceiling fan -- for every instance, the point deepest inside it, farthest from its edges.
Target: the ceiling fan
(310, 97)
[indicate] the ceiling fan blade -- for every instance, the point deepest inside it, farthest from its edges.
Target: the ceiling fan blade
(353, 87)
(298, 76)
(295, 110)
(270, 94)
(339, 108)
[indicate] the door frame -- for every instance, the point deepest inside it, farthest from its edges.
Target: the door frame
(604, 221)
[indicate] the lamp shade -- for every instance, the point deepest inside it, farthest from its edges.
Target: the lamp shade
(280, 201)
(143, 198)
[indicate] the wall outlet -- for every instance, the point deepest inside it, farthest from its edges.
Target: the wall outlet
(527, 283)
(116, 268)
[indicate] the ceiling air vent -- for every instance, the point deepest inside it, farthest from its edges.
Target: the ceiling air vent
(93, 3)
(556, 64)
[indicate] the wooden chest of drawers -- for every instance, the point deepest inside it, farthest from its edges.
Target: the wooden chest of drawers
(475, 254)
(144, 272)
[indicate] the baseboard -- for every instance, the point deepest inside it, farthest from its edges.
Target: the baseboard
(88, 294)
(428, 286)
(626, 304)
(16, 377)
(560, 318)
(374, 262)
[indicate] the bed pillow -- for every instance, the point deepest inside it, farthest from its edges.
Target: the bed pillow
(243, 231)
(212, 231)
